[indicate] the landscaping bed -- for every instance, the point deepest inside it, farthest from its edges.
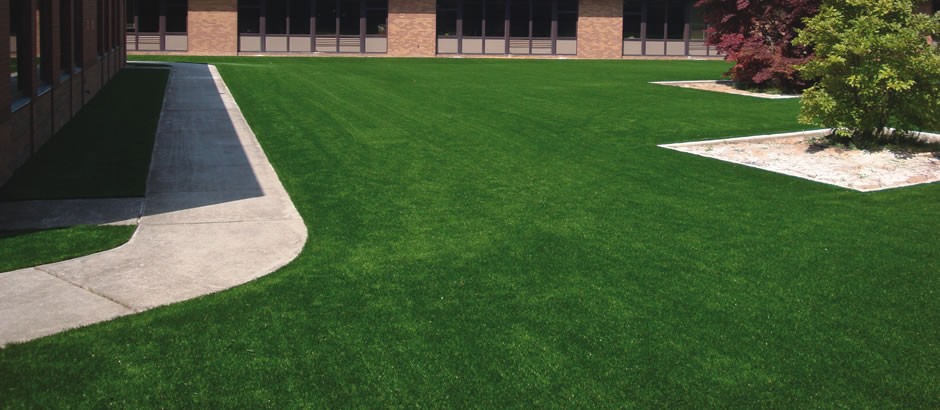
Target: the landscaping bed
(804, 155)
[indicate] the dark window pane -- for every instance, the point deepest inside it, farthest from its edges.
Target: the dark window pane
(447, 23)
(275, 21)
(377, 22)
(326, 17)
(473, 18)
(131, 9)
(495, 18)
(567, 25)
(249, 16)
(44, 55)
(655, 20)
(632, 7)
(19, 26)
(349, 17)
(148, 16)
(519, 19)
(300, 16)
(568, 6)
(542, 19)
(447, 4)
(77, 27)
(631, 26)
(65, 36)
(377, 4)
(176, 16)
(697, 24)
(676, 20)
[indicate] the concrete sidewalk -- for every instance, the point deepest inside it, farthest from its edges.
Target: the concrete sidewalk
(215, 216)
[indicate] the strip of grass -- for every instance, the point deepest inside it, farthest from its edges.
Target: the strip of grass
(26, 249)
(104, 152)
(506, 234)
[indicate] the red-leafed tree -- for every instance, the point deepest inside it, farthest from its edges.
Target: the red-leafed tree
(756, 35)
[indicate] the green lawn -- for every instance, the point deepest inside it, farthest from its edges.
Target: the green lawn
(104, 152)
(491, 233)
(26, 249)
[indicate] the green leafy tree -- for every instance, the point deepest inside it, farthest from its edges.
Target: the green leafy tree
(875, 68)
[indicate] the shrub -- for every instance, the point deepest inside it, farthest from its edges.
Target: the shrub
(757, 36)
(874, 69)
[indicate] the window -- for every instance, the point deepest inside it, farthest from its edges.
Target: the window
(351, 26)
(675, 20)
(567, 18)
(326, 17)
(157, 25)
(656, 20)
(249, 16)
(495, 18)
(299, 16)
(350, 12)
(44, 54)
(176, 12)
(148, 17)
(519, 18)
(65, 36)
(473, 18)
(632, 19)
(670, 27)
(101, 23)
(275, 17)
(20, 26)
(78, 28)
(377, 17)
(479, 26)
(447, 18)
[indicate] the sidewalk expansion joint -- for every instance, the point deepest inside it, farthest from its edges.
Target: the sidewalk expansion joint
(86, 289)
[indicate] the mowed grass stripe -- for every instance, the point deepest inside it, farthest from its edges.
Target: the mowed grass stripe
(506, 234)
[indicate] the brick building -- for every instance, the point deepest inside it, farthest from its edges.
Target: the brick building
(419, 28)
(59, 54)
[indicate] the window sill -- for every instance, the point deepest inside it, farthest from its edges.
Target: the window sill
(43, 89)
(19, 103)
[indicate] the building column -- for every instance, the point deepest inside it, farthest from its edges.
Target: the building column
(600, 29)
(212, 27)
(412, 28)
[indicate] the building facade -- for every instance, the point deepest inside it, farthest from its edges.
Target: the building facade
(606, 29)
(59, 54)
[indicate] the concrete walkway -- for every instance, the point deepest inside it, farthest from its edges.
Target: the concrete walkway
(215, 216)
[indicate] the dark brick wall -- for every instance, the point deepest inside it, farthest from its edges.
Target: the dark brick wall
(23, 132)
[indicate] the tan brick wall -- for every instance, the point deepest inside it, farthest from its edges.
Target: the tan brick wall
(600, 29)
(412, 28)
(213, 27)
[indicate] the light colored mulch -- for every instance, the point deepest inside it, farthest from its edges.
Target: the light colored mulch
(795, 154)
(723, 87)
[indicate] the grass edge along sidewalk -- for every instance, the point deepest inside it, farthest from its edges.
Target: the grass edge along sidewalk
(490, 233)
(104, 152)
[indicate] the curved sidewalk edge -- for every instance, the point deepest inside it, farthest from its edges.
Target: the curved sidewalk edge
(215, 216)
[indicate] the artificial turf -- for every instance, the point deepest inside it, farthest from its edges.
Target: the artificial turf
(489, 233)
